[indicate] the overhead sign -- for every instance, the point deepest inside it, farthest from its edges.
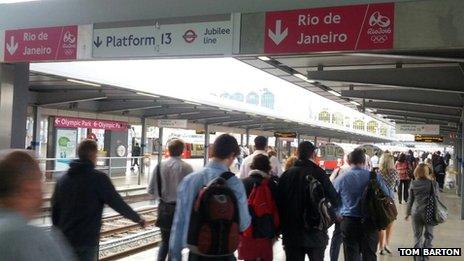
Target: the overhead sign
(165, 123)
(430, 129)
(41, 44)
(212, 38)
(344, 28)
(68, 122)
(285, 135)
(428, 138)
(204, 132)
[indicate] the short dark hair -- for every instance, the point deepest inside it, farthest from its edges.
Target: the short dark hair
(176, 147)
(224, 146)
(305, 150)
(402, 157)
(261, 162)
(16, 167)
(260, 143)
(86, 149)
(357, 156)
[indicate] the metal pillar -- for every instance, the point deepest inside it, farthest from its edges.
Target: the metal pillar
(160, 145)
(241, 139)
(247, 133)
(457, 162)
(35, 143)
(461, 166)
(298, 139)
(143, 143)
(206, 155)
(315, 141)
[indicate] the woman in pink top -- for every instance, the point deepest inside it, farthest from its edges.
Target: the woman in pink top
(402, 167)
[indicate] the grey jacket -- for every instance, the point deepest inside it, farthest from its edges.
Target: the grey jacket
(418, 194)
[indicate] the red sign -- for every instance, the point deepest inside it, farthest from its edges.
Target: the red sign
(66, 122)
(345, 28)
(41, 44)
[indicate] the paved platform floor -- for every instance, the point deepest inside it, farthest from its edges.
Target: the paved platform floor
(449, 234)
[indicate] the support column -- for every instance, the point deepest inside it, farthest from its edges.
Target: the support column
(241, 139)
(315, 141)
(143, 143)
(14, 99)
(205, 156)
(298, 139)
(247, 133)
(35, 143)
(160, 145)
(461, 166)
(457, 162)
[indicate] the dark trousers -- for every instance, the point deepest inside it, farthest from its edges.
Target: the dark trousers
(403, 190)
(135, 162)
(299, 253)
(195, 257)
(336, 242)
(441, 180)
(164, 245)
(359, 240)
(87, 253)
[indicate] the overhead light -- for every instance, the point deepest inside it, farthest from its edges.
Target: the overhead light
(83, 82)
(271, 118)
(147, 94)
(250, 113)
(193, 103)
(301, 76)
(225, 109)
(355, 103)
(16, 1)
(289, 121)
(380, 115)
(310, 81)
(370, 110)
(264, 58)
(334, 93)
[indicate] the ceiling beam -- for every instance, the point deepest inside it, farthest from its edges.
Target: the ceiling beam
(431, 116)
(423, 98)
(107, 107)
(443, 79)
(45, 99)
(412, 108)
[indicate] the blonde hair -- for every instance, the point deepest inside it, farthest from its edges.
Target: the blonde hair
(290, 162)
(386, 162)
(422, 171)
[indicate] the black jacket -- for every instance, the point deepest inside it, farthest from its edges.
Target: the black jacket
(77, 203)
(290, 203)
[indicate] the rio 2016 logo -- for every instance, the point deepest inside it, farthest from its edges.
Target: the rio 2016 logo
(380, 34)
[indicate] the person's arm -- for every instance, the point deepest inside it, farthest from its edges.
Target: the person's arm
(243, 168)
(329, 190)
(410, 202)
(55, 206)
(153, 185)
(111, 197)
(383, 187)
(239, 190)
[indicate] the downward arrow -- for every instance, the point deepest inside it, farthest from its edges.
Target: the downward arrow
(98, 42)
(278, 36)
(12, 46)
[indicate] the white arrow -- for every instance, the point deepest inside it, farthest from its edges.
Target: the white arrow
(278, 36)
(12, 46)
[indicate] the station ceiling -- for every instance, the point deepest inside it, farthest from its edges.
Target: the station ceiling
(421, 87)
(56, 92)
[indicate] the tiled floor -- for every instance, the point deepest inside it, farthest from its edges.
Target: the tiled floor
(449, 234)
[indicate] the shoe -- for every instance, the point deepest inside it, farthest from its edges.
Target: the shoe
(388, 250)
(382, 252)
(400, 202)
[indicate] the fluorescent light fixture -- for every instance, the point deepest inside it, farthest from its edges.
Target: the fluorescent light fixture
(250, 113)
(301, 76)
(193, 103)
(311, 81)
(289, 121)
(264, 58)
(225, 109)
(355, 103)
(16, 1)
(271, 118)
(334, 93)
(380, 115)
(83, 82)
(370, 110)
(147, 94)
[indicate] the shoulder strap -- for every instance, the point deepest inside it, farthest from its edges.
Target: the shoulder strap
(373, 175)
(227, 175)
(432, 189)
(158, 179)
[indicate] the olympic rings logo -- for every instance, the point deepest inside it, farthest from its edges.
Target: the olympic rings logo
(69, 38)
(378, 19)
(68, 52)
(379, 38)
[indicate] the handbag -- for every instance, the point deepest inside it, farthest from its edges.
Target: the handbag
(435, 211)
(166, 210)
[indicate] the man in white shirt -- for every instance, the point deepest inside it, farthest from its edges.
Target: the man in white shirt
(375, 160)
(260, 148)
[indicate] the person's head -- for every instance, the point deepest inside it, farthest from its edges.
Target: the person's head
(438, 153)
(422, 171)
(386, 162)
(226, 149)
(88, 151)
(357, 157)
(272, 153)
(402, 158)
(261, 162)
(290, 162)
(410, 152)
(136, 144)
(175, 147)
(306, 150)
(20, 183)
(260, 143)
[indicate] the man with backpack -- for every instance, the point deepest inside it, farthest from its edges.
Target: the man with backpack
(360, 235)
(211, 208)
(306, 199)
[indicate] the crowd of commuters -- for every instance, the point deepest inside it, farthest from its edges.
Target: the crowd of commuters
(214, 212)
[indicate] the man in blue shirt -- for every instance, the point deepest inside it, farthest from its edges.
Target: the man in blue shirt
(225, 150)
(359, 238)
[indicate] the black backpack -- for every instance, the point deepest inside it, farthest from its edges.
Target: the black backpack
(214, 222)
(318, 212)
(378, 209)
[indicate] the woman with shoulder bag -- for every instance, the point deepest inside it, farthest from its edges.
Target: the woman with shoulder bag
(403, 167)
(423, 208)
